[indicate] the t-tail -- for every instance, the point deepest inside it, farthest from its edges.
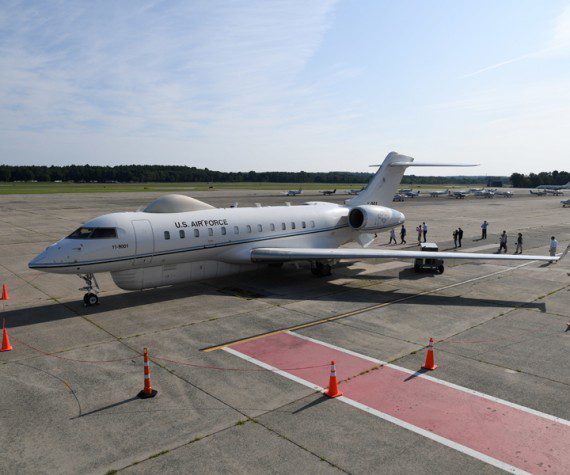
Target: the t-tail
(385, 183)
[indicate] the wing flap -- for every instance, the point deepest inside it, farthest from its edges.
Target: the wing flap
(280, 254)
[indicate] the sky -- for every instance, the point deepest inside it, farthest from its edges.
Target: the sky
(312, 85)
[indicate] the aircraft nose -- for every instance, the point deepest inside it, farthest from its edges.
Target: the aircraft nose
(47, 256)
(38, 260)
(401, 218)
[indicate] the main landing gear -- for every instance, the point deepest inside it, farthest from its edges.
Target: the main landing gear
(320, 269)
(92, 289)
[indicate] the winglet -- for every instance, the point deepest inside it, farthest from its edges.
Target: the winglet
(563, 255)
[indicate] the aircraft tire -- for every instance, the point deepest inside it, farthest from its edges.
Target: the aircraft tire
(440, 269)
(90, 299)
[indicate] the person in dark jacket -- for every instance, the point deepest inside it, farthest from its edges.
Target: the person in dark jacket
(518, 250)
(459, 236)
(503, 242)
(403, 234)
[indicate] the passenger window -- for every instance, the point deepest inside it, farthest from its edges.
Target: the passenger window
(283, 226)
(196, 233)
(210, 232)
(167, 235)
(303, 224)
(272, 226)
(292, 225)
(312, 224)
(182, 234)
(236, 230)
(223, 231)
(259, 228)
(248, 228)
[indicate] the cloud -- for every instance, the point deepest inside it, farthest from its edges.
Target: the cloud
(184, 71)
(558, 45)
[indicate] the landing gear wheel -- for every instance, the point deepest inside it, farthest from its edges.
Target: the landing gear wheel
(440, 269)
(276, 265)
(417, 268)
(90, 299)
(321, 270)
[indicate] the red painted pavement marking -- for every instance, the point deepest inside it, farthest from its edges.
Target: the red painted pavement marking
(524, 440)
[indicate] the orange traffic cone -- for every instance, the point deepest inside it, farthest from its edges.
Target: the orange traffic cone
(5, 340)
(333, 390)
(147, 390)
(4, 293)
(430, 362)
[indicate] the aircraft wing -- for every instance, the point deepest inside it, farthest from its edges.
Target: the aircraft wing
(280, 254)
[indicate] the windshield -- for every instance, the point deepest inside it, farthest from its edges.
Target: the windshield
(93, 233)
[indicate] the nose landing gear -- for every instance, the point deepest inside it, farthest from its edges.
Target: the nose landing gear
(92, 289)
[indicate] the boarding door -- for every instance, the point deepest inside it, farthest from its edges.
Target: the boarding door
(144, 242)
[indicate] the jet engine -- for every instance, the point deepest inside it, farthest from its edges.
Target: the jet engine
(371, 218)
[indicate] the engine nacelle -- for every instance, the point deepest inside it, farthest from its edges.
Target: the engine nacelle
(374, 218)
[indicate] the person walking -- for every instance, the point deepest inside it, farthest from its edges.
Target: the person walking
(393, 236)
(419, 231)
(484, 227)
(503, 242)
(553, 246)
(424, 230)
(518, 250)
(459, 236)
(455, 238)
(403, 234)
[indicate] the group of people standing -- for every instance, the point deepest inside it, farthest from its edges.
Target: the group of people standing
(422, 230)
(457, 237)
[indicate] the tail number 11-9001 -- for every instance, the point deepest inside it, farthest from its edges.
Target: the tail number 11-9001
(120, 246)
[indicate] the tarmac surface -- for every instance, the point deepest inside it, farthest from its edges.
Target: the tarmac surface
(68, 389)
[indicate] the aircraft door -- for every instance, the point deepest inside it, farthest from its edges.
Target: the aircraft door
(144, 241)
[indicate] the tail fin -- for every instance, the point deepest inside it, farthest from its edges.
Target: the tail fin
(384, 184)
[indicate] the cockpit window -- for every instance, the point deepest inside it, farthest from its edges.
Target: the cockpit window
(81, 233)
(103, 233)
(93, 233)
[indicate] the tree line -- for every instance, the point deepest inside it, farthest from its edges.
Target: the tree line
(175, 173)
(518, 180)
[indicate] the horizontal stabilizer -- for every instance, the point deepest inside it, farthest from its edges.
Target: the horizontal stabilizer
(428, 164)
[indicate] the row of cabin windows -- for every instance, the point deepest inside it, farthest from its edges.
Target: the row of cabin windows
(224, 231)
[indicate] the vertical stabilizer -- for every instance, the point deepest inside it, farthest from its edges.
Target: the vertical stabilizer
(384, 184)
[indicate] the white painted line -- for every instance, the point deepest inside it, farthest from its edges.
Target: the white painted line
(418, 430)
(435, 380)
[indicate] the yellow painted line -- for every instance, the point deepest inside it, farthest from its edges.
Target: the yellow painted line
(359, 311)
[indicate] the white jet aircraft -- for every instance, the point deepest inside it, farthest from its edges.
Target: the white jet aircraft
(294, 192)
(436, 193)
(180, 239)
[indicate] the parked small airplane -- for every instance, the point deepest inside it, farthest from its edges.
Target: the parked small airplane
(399, 197)
(411, 194)
(553, 192)
(354, 192)
(554, 187)
(328, 192)
(538, 193)
(458, 194)
(504, 193)
(565, 203)
(484, 193)
(436, 193)
(180, 239)
(294, 192)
